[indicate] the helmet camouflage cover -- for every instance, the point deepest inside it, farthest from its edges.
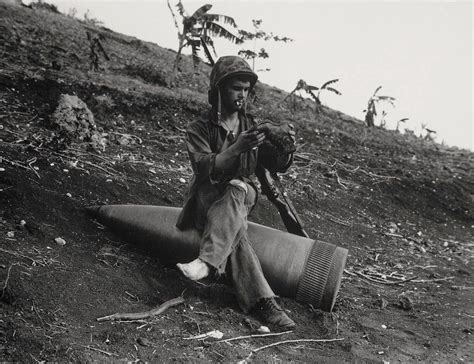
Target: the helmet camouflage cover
(229, 66)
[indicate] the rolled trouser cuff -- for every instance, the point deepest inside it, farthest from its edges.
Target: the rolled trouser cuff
(240, 184)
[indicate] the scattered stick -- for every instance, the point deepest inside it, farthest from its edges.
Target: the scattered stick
(15, 163)
(32, 161)
(303, 158)
(350, 273)
(140, 141)
(253, 336)
(21, 256)
(433, 280)
(394, 235)
(337, 221)
(383, 281)
(291, 342)
(5, 285)
(142, 315)
(425, 267)
(99, 350)
(339, 181)
(111, 171)
(462, 288)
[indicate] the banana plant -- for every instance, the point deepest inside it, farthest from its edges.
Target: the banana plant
(198, 29)
(429, 132)
(302, 85)
(404, 120)
(371, 111)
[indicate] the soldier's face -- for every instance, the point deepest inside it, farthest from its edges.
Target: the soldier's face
(234, 94)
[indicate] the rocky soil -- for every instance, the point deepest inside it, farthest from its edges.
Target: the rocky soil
(403, 207)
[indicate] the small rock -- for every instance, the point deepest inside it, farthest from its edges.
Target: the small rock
(68, 195)
(382, 303)
(182, 180)
(2, 169)
(393, 228)
(72, 164)
(405, 303)
(215, 334)
(383, 327)
(421, 249)
(144, 341)
(11, 234)
(263, 330)
(60, 241)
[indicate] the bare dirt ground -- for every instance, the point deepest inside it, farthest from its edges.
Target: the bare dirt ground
(401, 205)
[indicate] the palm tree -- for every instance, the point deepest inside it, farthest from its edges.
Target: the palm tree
(429, 133)
(198, 30)
(325, 86)
(404, 120)
(371, 111)
(302, 85)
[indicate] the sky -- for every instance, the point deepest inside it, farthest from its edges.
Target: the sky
(420, 52)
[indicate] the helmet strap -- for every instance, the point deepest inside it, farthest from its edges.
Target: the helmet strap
(219, 106)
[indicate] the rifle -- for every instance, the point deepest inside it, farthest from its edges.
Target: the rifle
(273, 189)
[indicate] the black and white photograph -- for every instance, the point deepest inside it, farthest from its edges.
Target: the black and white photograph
(238, 181)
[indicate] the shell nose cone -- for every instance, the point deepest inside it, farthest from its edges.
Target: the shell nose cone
(93, 210)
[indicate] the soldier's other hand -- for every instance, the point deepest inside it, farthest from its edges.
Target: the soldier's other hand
(249, 139)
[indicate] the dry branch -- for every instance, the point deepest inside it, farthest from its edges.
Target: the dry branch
(15, 163)
(291, 342)
(432, 280)
(253, 336)
(5, 285)
(384, 281)
(21, 256)
(394, 235)
(145, 314)
(98, 350)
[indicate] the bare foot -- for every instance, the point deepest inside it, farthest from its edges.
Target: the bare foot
(194, 270)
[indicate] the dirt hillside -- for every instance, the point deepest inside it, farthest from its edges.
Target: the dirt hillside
(403, 207)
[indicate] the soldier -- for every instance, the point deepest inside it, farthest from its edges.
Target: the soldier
(95, 47)
(223, 149)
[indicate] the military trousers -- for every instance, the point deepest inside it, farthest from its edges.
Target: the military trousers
(225, 245)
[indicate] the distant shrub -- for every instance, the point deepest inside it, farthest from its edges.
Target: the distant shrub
(104, 104)
(89, 19)
(72, 12)
(40, 4)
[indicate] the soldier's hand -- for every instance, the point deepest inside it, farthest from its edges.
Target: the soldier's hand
(248, 139)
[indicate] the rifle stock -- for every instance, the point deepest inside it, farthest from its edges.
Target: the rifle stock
(272, 188)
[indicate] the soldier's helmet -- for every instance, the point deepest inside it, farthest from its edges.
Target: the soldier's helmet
(226, 67)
